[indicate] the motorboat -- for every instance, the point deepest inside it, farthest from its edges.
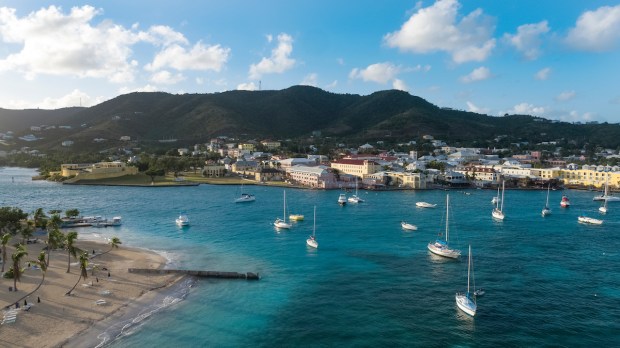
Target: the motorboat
(588, 220)
(408, 226)
(182, 220)
(479, 292)
(425, 205)
(565, 202)
(342, 199)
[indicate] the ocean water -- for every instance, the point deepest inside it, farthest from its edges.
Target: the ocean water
(549, 281)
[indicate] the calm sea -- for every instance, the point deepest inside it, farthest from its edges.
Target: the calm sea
(549, 281)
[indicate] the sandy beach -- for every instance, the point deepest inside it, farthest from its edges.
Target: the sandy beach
(57, 318)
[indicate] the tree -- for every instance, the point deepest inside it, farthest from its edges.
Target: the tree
(20, 252)
(153, 172)
(40, 261)
(72, 213)
(10, 219)
(27, 230)
(55, 239)
(71, 248)
(114, 243)
(83, 261)
(5, 240)
(39, 217)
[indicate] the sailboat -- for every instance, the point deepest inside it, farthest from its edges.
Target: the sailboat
(355, 198)
(498, 212)
(495, 199)
(465, 301)
(311, 241)
(546, 210)
(606, 196)
(441, 247)
(603, 208)
(281, 223)
(245, 197)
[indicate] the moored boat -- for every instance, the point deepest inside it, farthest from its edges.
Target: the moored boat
(588, 220)
(565, 202)
(407, 226)
(425, 205)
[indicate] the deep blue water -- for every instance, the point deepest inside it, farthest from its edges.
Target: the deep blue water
(549, 281)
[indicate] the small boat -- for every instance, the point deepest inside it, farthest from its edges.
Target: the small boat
(565, 202)
(182, 220)
(588, 220)
(465, 301)
(603, 208)
(355, 198)
(311, 241)
(498, 212)
(245, 197)
(479, 292)
(342, 199)
(425, 205)
(296, 217)
(606, 196)
(281, 223)
(408, 226)
(546, 211)
(439, 246)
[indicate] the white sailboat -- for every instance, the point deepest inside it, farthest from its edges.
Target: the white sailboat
(441, 247)
(603, 208)
(355, 198)
(281, 223)
(498, 212)
(606, 196)
(495, 199)
(546, 210)
(465, 301)
(311, 241)
(245, 197)
(407, 226)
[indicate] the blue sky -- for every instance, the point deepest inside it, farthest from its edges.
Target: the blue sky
(554, 59)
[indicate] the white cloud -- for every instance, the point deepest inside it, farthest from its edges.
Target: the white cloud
(436, 28)
(332, 85)
(400, 85)
(566, 95)
(278, 62)
(379, 72)
(527, 39)
(69, 44)
(542, 74)
(74, 98)
(199, 57)
(310, 80)
(166, 77)
(479, 74)
(250, 86)
(597, 30)
(525, 109)
(471, 107)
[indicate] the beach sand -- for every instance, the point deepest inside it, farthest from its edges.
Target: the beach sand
(58, 318)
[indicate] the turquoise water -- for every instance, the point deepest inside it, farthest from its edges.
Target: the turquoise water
(549, 281)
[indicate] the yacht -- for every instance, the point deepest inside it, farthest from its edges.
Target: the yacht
(342, 199)
(182, 220)
(245, 197)
(407, 226)
(588, 220)
(425, 205)
(606, 196)
(565, 202)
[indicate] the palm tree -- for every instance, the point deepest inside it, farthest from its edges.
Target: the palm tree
(55, 239)
(53, 225)
(40, 261)
(114, 243)
(83, 272)
(39, 218)
(20, 252)
(71, 248)
(5, 240)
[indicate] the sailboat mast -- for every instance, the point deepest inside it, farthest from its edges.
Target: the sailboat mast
(284, 212)
(468, 268)
(447, 214)
(548, 188)
(314, 222)
(502, 204)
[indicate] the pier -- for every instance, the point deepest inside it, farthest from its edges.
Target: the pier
(203, 274)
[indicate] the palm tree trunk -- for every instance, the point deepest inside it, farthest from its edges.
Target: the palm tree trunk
(33, 291)
(73, 288)
(69, 263)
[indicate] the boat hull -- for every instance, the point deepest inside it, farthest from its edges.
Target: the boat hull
(408, 226)
(606, 198)
(443, 251)
(281, 224)
(497, 214)
(589, 220)
(466, 304)
(312, 243)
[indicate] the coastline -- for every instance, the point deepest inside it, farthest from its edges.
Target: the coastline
(60, 320)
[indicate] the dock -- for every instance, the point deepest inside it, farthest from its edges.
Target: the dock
(202, 274)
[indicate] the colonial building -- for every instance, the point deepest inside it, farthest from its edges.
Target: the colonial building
(315, 177)
(360, 168)
(213, 170)
(101, 170)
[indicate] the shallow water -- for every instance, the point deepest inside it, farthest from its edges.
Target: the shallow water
(549, 281)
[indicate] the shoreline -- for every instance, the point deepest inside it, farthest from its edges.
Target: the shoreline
(108, 293)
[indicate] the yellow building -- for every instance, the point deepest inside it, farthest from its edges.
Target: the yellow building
(589, 177)
(246, 146)
(270, 144)
(101, 170)
(359, 168)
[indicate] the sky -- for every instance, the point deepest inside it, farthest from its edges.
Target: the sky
(554, 59)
